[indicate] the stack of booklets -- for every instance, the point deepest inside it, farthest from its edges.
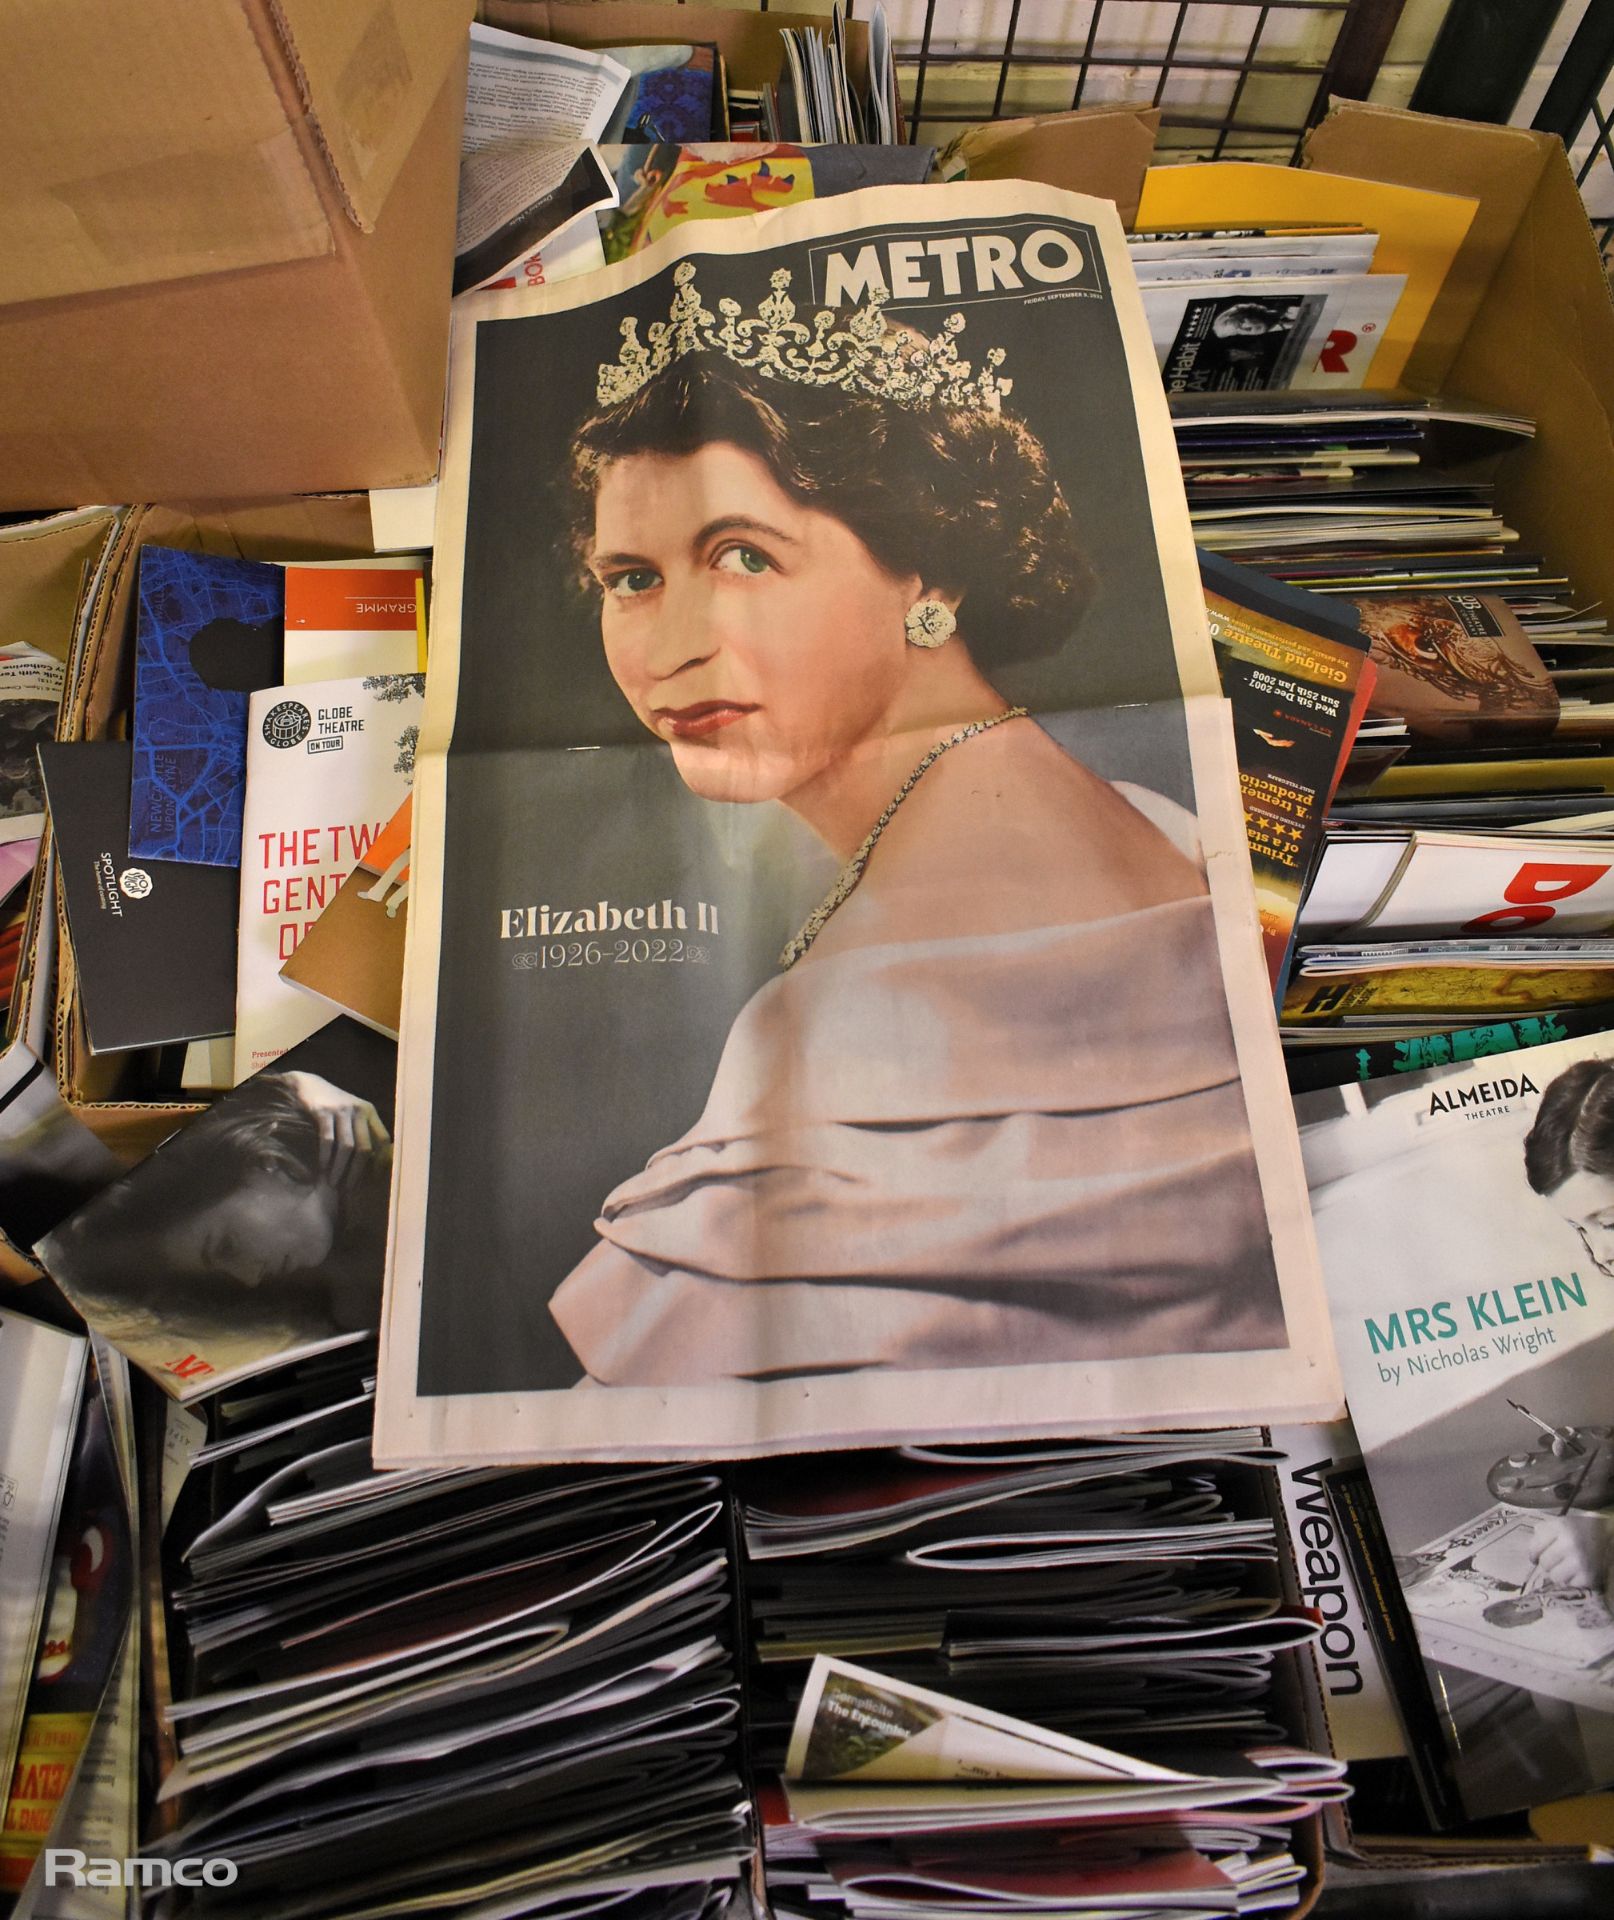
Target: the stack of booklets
(1123, 1597)
(1236, 310)
(444, 1692)
(898, 1801)
(1354, 494)
(815, 99)
(1454, 885)
(275, 713)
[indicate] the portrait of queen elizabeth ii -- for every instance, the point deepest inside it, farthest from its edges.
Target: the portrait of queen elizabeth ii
(983, 1109)
(965, 1126)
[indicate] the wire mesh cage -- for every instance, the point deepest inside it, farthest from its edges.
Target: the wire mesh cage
(1239, 78)
(1232, 78)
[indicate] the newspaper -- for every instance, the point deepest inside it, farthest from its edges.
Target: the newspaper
(803, 1044)
(856, 1725)
(519, 88)
(518, 195)
(527, 165)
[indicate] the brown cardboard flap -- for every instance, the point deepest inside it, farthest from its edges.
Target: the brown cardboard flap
(751, 47)
(142, 144)
(1103, 151)
(1544, 344)
(368, 71)
(1497, 166)
(314, 376)
(315, 528)
(42, 565)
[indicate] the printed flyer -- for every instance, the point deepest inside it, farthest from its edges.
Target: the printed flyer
(834, 1006)
(1465, 1217)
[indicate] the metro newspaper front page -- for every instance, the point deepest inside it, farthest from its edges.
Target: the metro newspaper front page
(835, 1009)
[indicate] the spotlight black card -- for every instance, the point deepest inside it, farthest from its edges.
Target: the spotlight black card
(153, 940)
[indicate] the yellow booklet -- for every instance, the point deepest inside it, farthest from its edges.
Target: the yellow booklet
(1419, 232)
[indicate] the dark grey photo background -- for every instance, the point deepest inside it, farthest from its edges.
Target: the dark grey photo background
(550, 1087)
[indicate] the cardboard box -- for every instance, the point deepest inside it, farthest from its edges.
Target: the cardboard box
(226, 241)
(1525, 321)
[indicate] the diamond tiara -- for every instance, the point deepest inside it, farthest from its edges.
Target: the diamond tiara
(863, 355)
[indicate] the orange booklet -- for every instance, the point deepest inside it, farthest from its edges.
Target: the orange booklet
(343, 622)
(353, 954)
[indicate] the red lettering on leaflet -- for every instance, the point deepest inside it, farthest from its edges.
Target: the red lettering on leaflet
(1537, 888)
(1336, 347)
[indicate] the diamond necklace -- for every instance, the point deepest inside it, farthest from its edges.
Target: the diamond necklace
(852, 872)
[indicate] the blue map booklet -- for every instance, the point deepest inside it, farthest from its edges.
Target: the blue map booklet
(210, 632)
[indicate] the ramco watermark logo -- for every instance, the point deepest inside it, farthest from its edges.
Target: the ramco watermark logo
(70, 1867)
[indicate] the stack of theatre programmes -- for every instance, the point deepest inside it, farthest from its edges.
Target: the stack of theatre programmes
(771, 1088)
(445, 1692)
(1456, 901)
(436, 1688)
(1011, 1575)
(276, 709)
(901, 1802)
(1233, 310)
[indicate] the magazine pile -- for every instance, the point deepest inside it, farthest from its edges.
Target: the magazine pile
(1048, 1678)
(834, 1005)
(899, 1801)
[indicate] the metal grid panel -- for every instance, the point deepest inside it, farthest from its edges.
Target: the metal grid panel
(1579, 107)
(1124, 35)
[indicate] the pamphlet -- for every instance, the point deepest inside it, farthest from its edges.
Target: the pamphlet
(1457, 667)
(522, 88)
(153, 941)
(1297, 674)
(1462, 1215)
(328, 765)
(254, 1234)
(343, 622)
(1362, 1720)
(673, 93)
(857, 1725)
(208, 633)
(353, 954)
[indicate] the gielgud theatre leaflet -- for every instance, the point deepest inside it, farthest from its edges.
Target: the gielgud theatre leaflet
(834, 1007)
(1465, 1216)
